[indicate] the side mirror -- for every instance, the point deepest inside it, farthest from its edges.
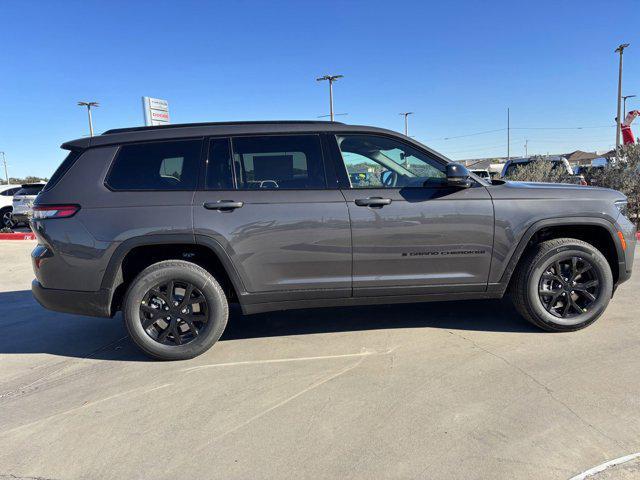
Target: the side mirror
(458, 176)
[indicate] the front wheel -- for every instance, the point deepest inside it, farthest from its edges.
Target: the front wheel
(563, 285)
(175, 310)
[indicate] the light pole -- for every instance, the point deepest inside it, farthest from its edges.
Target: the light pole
(4, 160)
(526, 149)
(89, 105)
(331, 79)
(624, 104)
(406, 122)
(619, 50)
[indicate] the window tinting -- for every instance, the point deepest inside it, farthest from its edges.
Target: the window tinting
(64, 167)
(156, 166)
(30, 190)
(10, 192)
(278, 162)
(375, 161)
(219, 176)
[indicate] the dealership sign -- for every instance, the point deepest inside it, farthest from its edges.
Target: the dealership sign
(156, 111)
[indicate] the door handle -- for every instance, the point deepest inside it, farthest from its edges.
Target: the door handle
(375, 202)
(223, 205)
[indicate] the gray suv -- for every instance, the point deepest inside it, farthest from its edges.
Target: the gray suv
(171, 224)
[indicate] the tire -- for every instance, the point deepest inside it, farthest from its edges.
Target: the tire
(184, 337)
(5, 216)
(542, 294)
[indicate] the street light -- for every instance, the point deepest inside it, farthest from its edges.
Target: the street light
(624, 104)
(89, 105)
(4, 160)
(331, 79)
(406, 122)
(619, 50)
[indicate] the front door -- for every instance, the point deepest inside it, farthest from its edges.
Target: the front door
(411, 233)
(266, 203)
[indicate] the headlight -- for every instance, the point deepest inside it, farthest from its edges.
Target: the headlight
(623, 206)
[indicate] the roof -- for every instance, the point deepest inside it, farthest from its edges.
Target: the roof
(186, 130)
(579, 155)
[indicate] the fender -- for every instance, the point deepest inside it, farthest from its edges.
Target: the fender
(113, 273)
(501, 286)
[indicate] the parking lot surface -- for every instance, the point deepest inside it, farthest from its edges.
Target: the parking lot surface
(463, 390)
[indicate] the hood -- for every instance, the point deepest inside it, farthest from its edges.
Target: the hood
(564, 191)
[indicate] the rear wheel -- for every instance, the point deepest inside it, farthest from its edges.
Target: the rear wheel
(175, 310)
(563, 285)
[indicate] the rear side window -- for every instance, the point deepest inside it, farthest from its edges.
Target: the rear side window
(156, 166)
(30, 190)
(219, 176)
(278, 162)
(10, 193)
(64, 167)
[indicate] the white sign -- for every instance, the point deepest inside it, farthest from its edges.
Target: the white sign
(156, 111)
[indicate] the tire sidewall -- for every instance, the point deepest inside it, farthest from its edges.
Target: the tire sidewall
(216, 302)
(603, 273)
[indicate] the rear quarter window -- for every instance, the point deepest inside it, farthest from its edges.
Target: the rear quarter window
(64, 167)
(156, 166)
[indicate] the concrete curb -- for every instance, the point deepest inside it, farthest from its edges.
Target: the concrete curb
(18, 236)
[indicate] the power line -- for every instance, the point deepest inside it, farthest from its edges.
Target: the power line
(518, 128)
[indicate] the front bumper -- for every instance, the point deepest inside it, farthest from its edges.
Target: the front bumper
(94, 304)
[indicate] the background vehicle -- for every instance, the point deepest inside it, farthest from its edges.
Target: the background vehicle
(23, 202)
(484, 174)
(170, 224)
(512, 166)
(6, 204)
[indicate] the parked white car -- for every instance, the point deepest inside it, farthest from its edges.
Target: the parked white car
(23, 202)
(6, 204)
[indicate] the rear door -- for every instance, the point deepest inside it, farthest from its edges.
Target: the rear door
(264, 201)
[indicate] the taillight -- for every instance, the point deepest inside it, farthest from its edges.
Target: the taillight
(54, 211)
(583, 183)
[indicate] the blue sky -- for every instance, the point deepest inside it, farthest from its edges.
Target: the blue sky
(457, 65)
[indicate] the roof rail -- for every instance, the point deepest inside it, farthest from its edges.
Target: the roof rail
(212, 124)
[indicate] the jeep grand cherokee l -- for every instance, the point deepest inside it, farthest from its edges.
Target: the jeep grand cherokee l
(170, 224)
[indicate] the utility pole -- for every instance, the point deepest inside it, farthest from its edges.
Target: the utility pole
(526, 153)
(89, 105)
(4, 160)
(406, 122)
(508, 135)
(624, 105)
(331, 79)
(619, 50)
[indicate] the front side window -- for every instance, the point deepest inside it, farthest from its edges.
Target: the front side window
(374, 161)
(156, 166)
(278, 162)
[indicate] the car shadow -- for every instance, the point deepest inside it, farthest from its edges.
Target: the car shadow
(30, 329)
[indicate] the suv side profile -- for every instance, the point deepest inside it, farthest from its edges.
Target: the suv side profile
(171, 224)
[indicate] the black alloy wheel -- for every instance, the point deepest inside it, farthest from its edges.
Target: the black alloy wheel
(174, 312)
(569, 287)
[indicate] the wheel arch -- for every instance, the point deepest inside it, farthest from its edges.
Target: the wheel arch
(135, 254)
(599, 232)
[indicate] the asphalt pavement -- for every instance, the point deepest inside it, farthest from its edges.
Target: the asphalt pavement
(458, 390)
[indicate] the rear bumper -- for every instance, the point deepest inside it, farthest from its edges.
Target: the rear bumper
(94, 304)
(20, 217)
